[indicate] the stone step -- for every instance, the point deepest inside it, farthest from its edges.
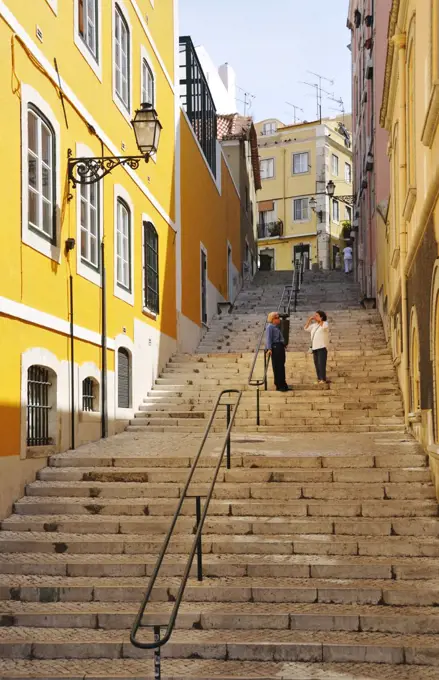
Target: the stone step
(176, 669)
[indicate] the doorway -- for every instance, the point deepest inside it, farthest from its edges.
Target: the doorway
(335, 252)
(266, 260)
(306, 250)
(203, 287)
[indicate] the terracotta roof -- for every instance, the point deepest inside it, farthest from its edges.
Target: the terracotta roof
(234, 126)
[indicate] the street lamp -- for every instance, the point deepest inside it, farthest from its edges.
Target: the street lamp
(330, 188)
(313, 206)
(147, 129)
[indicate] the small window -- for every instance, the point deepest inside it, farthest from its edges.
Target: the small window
(148, 84)
(89, 219)
(300, 163)
(151, 267)
(88, 24)
(348, 173)
(39, 386)
(269, 128)
(123, 245)
(267, 168)
(41, 174)
(122, 64)
(301, 210)
(335, 211)
(90, 395)
(123, 378)
(335, 165)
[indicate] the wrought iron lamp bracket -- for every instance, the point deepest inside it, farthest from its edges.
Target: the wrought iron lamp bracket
(89, 170)
(345, 199)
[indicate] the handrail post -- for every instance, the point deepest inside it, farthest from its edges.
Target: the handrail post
(157, 654)
(229, 406)
(258, 418)
(266, 362)
(199, 542)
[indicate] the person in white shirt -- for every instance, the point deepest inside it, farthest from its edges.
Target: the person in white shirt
(347, 254)
(317, 325)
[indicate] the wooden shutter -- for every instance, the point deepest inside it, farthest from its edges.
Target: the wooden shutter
(123, 378)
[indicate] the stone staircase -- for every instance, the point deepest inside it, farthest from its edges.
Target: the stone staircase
(321, 548)
(363, 394)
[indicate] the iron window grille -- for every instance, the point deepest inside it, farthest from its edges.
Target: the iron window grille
(38, 407)
(88, 394)
(124, 378)
(151, 267)
(197, 101)
(41, 166)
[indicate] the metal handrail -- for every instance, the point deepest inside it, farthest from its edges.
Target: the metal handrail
(160, 641)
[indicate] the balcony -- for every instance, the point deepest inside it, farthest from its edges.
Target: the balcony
(271, 229)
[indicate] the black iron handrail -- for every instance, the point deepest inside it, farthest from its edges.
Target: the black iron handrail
(196, 546)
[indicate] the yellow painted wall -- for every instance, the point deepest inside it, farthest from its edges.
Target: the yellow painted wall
(207, 217)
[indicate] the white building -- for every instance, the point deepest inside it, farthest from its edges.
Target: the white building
(222, 82)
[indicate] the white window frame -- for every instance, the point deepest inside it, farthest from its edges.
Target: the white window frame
(82, 268)
(271, 125)
(346, 166)
(300, 198)
(127, 296)
(302, 172)
(274, 167)
(94, 63)
(32, 238)
(348, 209)
(335, 203)
(335, 161)
(144, 56)
(126, 112)
(53, 4)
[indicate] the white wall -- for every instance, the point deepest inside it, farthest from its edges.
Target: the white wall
(225, 100)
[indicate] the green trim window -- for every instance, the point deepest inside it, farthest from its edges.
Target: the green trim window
(151, 267)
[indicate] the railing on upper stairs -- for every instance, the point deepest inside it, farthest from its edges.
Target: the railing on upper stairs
(201, 513)
(288, 302)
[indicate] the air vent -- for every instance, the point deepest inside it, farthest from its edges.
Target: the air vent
(39, 33)
(368, 20)
(369, 69)
(357, 18)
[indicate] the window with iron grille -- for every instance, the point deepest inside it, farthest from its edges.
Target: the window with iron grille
(88, 24)
(89, 395)
(41, 174)
(122, 64)
(197, 101)
(151, 267)
(123, 378)
(38, 406)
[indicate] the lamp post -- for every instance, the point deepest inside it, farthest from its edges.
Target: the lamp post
(89, 170)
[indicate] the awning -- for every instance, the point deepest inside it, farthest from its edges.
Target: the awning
(265, 205)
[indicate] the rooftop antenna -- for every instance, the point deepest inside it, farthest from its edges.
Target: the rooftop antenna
(340, 105)
(248, 99)
(295, 108)
(319, 90)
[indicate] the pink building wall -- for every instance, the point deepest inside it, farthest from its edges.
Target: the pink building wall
(371, 165)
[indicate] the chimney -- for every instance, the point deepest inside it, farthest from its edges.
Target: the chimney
(228, 76)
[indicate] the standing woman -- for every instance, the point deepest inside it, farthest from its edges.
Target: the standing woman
(317, 325)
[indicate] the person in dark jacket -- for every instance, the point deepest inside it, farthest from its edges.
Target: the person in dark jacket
(275, 348)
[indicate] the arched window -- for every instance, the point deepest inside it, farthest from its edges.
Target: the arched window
(90, 395)
(122, 64)
(148, 84)
(41, 406)
(41, 174)
(151, 267)
(123, 378)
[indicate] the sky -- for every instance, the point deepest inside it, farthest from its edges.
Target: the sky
(272, 45)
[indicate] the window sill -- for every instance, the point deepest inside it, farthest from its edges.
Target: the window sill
(40, 451)
(395, 258)
(91, 61)
(124, 295)
(432, 118)
(410, 202)
(124, 111)
(89, 273)
(151, 315)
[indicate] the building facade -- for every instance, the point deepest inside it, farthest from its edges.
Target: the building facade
(368, 22)
(297, 162)
(407, 248)
(238, 138)
(101, 283)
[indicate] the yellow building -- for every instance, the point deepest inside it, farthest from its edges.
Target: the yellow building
(407, 249)
(100, 283)
(297, 162)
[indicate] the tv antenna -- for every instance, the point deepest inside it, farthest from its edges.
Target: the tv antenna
(319, 90)
(295, 108)
(340, 105)
(248, 99)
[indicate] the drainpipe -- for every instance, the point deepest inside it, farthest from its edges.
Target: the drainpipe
(400, 44)
(104, 416)
(72, 366)
(285, 193)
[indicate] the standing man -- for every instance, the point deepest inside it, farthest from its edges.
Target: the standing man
(275, 348)
(347, 254)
